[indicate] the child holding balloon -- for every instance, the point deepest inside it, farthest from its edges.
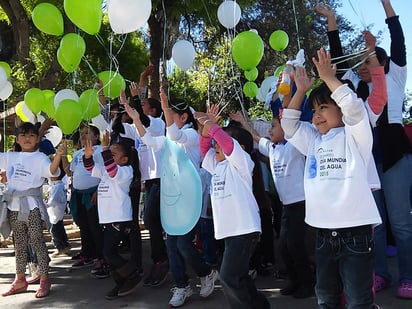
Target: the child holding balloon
(235, 210)
(181, 128)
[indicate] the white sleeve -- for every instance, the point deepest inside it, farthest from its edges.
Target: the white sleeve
(264, 146)
(157, 126)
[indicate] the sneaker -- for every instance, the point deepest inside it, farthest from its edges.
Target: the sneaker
(64, 251)
(208, 283)
(380, 283)
(265, 269)
(131, 284)
(113, 293)
(83, 262)
(404, 290)
(158, 274)
(77, 256)
(179, 296)
(101, 273)
(34, 273)
(99, 263)
(253, 273)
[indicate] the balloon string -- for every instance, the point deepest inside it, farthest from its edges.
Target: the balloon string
(361, 18)
(296, 23)
(207, 12)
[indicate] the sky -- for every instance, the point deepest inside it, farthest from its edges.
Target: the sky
(368, 12)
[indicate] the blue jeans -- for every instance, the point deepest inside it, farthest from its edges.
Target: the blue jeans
(344, 261)
(207, 238)
(182, 250)
(59, 236)
(152, 220)
(239, 288)
(394, 203)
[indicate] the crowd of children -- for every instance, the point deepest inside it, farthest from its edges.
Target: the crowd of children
(333, 174)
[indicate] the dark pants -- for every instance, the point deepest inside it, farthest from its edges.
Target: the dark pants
(59, 236)
(292, 244)
(239, 288)
(264, 252)
(90, 230)
(182, 251)
(113, 233)
(152, 220)
(345, 261)
(208, 241)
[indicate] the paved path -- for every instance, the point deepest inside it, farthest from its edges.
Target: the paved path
(77, 289)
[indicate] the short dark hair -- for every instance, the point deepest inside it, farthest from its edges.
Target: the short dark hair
(27, 127)
(156, 105)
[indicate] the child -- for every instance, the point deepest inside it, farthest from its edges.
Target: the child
(56, 206)
(339, 201)
(181, 128)
(83, 204)
(235, 210)
(287, 166)
(26, 172)
(120, 167)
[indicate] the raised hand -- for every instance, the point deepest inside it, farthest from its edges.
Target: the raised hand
(163, 99)
(133, 113)
(106, 139)
(326, 70)
(123, 100)
(213, 113)
(238, 116)
(302, 81)
(325, 10)
(370, 41)
(134, 89)
(62, 150)
(88, 149)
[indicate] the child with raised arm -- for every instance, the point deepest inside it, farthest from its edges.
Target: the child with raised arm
(287, 166)
(120, 167)
(181, 128)
(339, 201)
(26, 173)
(235, 210)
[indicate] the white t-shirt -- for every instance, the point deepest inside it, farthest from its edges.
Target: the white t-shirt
(337, 188)
(113, 194)
(149, 158)
(287, 165)
(25, 170)
(82, 179)
(235, 210)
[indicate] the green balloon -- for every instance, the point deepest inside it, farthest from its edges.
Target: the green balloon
(247, 50)
(71, 51)
(113, 83)
(48, 106)
(34, 99)
(68, 115)
(252, 74)
(6, 68)
(279, 40)
(85, 14)
(47, 18)
(89, 102)
(250, 89)
(279, 70)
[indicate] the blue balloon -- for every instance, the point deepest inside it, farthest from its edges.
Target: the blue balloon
(180, 191)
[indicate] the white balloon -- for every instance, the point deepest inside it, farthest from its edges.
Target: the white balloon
(63, 95)
(100, 123)
(54, 135)
(3, 77)
(126, 16)
(6, 91)
(267, 84)
(28, 113)
(229, 14)
(183, 54)
(40, 118)
(259, 96)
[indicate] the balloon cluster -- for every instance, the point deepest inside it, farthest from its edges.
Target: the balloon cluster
(6, 88)
(66, 107)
